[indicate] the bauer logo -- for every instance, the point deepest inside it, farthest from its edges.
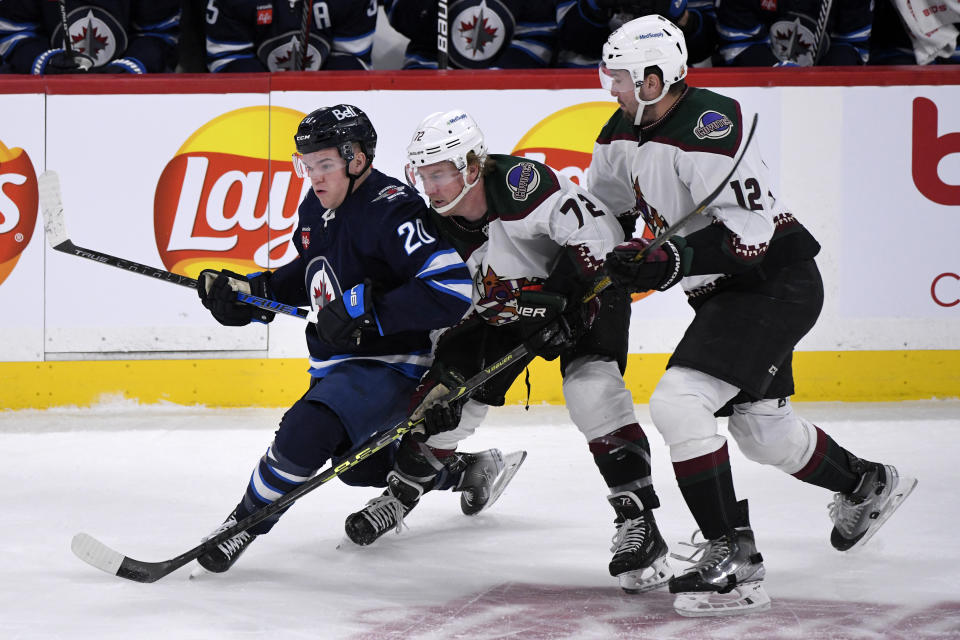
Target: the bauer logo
(228, 198)
(18, 206)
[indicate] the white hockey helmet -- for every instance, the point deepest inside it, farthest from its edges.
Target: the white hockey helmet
(648, 41)
(445, 136)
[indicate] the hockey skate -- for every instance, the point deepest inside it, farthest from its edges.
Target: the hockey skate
(727, 580)
(857, 516)
(485, 477)
(639, 552)
(384, 512)
(224, 555)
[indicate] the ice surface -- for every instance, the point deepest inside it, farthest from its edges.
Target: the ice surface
(150, 481)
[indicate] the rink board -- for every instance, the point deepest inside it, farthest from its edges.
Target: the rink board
(186, 172)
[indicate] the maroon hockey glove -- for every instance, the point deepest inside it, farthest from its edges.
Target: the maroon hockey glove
(218, 292)
(659, 269)
(427, 402)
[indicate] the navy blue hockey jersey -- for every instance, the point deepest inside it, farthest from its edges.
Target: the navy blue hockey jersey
(508, 34)
(258, 35)
(381, 232)
(136, 36)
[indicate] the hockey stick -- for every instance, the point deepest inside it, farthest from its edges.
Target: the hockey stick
(443, 36)
(674, 229)
(99, 555)
(55, 228)
(304, 36)
(825, 6)
(67, 43)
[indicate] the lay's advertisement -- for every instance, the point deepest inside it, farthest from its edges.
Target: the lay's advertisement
(214, 187)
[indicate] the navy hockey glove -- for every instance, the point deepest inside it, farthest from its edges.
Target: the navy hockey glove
(343, 323)
(659, 269)
(58, 61)
(218, 292)
(427, 402)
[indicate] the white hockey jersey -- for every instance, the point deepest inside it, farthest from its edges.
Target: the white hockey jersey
(663, 170)
(533, 214)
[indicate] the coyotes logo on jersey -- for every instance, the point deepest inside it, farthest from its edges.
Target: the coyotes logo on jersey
(655, 222)
(497, 297)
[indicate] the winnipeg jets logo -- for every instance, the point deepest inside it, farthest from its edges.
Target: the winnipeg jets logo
(480, 30)
(322, 283)
(389, 194)
(282, 53)
(93, 32)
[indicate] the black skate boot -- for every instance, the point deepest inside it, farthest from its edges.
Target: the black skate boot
(857, 516)
(639, 552)
(727, 579)
(485, 477)
(221, 557)
(384, 512)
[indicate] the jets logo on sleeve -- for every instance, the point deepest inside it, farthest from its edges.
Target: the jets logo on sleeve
(390, 193)
(713, 125)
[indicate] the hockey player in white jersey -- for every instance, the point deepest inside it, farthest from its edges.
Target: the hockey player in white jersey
(748, 271)
(534, 242)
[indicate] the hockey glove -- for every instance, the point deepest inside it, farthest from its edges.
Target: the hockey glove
(564, 325)
(218, 292)
(428, 404)
(659, 269)
(58, 61)
(345, 322)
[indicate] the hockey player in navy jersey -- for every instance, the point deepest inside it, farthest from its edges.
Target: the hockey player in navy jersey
(760, 33)
(748, 270)
(372, 263)
(251, 35)
(534, 243)
(107, 36)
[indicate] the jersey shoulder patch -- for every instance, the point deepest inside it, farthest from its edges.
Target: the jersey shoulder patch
(704, 121)
(618, 127)
(517, 186)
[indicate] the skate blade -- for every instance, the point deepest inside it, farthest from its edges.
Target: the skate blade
(653, 577)
(741, 600)
(905, 487)
(198, 572)
(511, 464)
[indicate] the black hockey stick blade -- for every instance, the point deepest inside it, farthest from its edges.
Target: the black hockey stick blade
(99, 555)
(674, 229)
(55, 228)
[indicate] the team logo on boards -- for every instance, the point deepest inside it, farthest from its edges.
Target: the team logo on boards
(523, 179)
(18, 206)
(713, 125)
(228, 198)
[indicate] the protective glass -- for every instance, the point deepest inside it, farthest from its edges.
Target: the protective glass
(308, 165)
(432, 176)
(616, 80)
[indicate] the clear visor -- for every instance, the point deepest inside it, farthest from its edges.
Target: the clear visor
(306, 166)
(428, 179)
(616, 80)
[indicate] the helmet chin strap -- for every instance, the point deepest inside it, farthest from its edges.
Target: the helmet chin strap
(352, 178)
(466, 188)
(644, 103)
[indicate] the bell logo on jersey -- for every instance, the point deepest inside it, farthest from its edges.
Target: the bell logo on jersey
(228, 198)
(18, 206)
(713, 125)
(929, 149)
